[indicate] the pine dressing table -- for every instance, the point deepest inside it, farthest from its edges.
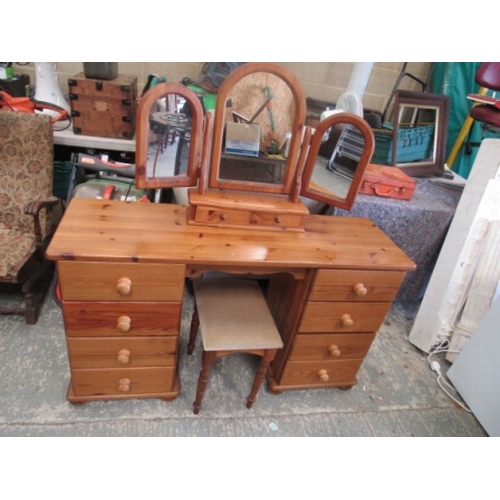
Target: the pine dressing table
(122, 266)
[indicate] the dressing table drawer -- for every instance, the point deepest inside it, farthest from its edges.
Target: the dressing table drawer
(120, 383)
(221, 216)
(128, 352)
(301, 374)
(330, 347)
(355, 285)
(277, 220)
(103, 281)
(95, 319)
(343, 316)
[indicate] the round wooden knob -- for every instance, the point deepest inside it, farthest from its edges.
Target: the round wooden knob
(323, 376)
(123, 356)
(124, 286)
(124, 323)
(334, 351)
(277, 219)
(124, 385)
(346, 320)
(223, 216)
(360, 290)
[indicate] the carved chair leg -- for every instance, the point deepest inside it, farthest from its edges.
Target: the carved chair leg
(259, 376)
(209, 358)
(195, 324)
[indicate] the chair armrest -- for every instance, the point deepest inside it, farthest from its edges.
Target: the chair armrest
(33, 208)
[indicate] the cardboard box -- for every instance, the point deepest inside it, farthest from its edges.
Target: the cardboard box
(242, 139)
(388, 182)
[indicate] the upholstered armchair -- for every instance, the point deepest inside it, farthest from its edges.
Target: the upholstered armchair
(26, 201)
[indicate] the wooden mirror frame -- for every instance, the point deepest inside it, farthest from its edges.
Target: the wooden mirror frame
(148, 100)
(422, 100)
(215, 182)
(308, 190)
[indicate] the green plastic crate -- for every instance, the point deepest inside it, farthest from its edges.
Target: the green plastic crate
(61, 178)
(414, 144)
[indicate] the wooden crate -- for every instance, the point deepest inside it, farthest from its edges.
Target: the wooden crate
(103, 108)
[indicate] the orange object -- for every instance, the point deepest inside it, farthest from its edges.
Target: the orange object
(28, 105)
(388, 182)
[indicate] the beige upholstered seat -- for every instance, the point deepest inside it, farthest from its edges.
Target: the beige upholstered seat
(233, 316)
(26, 201)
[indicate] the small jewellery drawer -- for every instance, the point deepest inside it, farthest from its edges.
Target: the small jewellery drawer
(126, 382)
(343, 316)
(218, 216)
(96, 281)
(273, 219)
(116, 352)
(96, 319)
(356, 285)
(332, 346)
(242, 217)
(320, 373)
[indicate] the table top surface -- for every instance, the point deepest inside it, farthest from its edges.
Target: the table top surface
(115, 231)
(68, 138)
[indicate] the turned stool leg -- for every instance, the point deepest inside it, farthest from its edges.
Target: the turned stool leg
(259, 376)
(209, 358)
(195, 324)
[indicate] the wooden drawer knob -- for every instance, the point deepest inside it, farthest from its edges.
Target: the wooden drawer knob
(360, 290)
(223, 216)
(123, 356)
(346, 320)
(334, 351)
(124, 385)
(277, 219)
(323, 376)
(124, 323)
(124, 286)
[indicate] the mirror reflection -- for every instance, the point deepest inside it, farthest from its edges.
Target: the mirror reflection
(169, 137)
(339, 153)
(416, 135)
(338, 159)
(259, 118)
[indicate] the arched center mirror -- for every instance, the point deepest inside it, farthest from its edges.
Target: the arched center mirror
(340, 150)
(169, 137)
(259, 119)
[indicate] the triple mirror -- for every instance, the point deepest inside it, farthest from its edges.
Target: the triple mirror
(261, 109)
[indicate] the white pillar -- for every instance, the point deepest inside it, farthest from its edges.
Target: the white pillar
(359, 78)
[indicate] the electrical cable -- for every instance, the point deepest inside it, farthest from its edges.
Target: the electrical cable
(435, 366)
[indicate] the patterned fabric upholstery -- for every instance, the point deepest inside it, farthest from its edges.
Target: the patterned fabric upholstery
(26, 171)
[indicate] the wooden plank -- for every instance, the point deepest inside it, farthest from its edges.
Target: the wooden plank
(425, 333)
(481, 293)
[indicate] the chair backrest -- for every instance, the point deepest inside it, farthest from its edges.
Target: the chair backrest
(26, 167)
(488, 75)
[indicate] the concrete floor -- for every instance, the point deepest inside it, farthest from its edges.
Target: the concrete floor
(396, 394)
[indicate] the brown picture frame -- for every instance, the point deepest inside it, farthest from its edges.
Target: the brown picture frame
(424, 106)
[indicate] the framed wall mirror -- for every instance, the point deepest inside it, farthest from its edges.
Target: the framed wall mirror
(269, 99)
(333, 175)
(169, 137)
(420, 129)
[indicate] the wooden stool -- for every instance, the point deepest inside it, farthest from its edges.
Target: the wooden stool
(233, 317)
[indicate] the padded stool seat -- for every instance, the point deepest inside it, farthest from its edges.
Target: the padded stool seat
(233, 316)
